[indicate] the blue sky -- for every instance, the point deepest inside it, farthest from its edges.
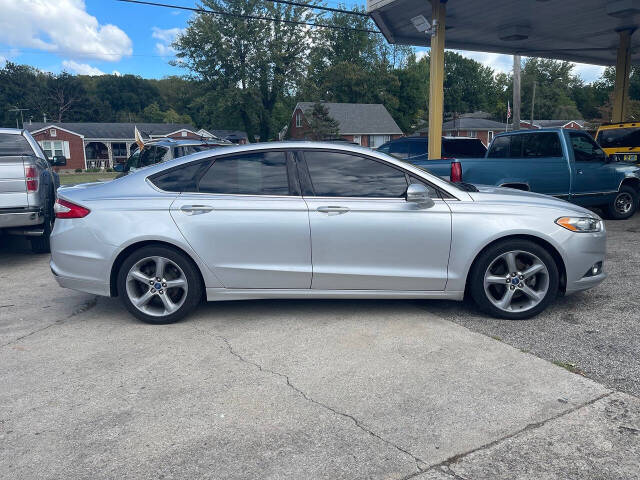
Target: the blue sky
(106, 36)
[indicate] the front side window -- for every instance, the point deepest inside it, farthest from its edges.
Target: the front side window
(585, 149)
(259, 173)
(336, 174)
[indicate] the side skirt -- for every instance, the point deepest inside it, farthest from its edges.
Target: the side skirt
(220, 294)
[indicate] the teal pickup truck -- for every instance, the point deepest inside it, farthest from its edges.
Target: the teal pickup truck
(563, 163)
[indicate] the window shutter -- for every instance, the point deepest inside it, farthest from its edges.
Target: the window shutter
(65, 149)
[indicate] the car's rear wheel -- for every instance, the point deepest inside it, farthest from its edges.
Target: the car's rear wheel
(41, 244)
(159, 285)
(514, 279)
(624, 204)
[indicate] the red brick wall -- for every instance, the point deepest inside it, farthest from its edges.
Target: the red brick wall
(297, 132)
(76, 146)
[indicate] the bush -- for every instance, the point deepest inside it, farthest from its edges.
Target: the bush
(78, 170)
(109, 169)
(93, 170)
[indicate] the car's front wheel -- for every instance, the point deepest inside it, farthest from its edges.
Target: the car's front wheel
(624, 204)
(159, 285)
(514, 279)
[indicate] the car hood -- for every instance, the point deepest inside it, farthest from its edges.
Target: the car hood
(503, 195)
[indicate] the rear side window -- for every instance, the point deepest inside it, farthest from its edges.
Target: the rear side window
(500, 148)
(11, 145)
(544, 144)
(463, 148)
(181, 179)
(336, 174)
(397, 149)
(260, 173)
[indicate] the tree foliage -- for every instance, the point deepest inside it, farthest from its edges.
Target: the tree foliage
(320, 125)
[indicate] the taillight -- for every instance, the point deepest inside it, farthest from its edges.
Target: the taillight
(65, 209)
(456, 172)
(31, 177)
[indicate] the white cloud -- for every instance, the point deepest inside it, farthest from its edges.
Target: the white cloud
(81, 68)
(63, 27)
(166, 37)
(504, 63)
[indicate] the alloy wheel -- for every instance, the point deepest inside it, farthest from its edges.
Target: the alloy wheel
(156, 286)
(516, 281)
(623, 203)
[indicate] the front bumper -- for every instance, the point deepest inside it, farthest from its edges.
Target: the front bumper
(582, 252)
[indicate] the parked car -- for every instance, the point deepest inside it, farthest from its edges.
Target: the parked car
(452, 147)
(164, 149)
(27, 187)
(620, 140)
(564, 163)
(317, 220)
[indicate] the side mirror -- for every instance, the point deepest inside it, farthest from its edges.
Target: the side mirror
(118, 167)
(59, 161)
(419, 194)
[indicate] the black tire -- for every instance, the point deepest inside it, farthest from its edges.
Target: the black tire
(194, 291)
(484, 260)
(42, 243)
(627, 197)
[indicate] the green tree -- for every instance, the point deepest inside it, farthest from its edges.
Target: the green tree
(251, 64)
(321, 126)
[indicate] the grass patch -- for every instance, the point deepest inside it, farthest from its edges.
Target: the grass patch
(75, 178)
(572, 367)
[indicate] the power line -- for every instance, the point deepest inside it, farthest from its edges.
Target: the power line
(319, 7)
(250, 17)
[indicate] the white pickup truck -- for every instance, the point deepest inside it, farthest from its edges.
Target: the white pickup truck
(28, 187)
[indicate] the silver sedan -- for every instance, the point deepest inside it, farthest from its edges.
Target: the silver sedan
(313, 220)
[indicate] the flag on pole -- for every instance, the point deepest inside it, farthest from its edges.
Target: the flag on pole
(508, 110)
(138, 138)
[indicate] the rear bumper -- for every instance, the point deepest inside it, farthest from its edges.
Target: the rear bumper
(81, 284)
(20, 218)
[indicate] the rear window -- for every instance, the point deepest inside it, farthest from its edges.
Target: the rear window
(397, 149)
(619, 137)
(11, 145)
(459, 148)
(418, 148)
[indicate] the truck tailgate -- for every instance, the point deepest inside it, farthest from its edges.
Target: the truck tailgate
(13, 187)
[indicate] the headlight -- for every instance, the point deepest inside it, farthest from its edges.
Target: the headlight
(580, 224)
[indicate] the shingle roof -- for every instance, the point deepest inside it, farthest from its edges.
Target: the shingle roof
(553, 123)
(464, 123)
(359, 118)
(114, 130)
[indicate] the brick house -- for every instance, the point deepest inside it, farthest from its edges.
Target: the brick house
(574, 124)
(88, 145)
(367, 124)
(481, 128)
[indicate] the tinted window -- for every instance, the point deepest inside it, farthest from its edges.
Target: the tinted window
(463, 148)
(585, 149)
(14, 145)
(544, 144)
(398, 149)
(260, 173)
(500, 148)
(619, 137)
(336, 174)
(418, 148)
(150, 156)
(181, 179)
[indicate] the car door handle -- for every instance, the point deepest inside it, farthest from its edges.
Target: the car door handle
(580, 172)
(196, 209)
(333, 210)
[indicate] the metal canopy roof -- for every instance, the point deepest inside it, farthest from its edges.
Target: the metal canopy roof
(582, 31)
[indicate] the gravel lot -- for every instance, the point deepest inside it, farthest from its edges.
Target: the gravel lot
(598, 331)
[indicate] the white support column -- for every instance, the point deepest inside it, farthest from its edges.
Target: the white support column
(109, 162)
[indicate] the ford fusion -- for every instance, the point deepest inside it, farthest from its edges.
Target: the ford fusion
(314, 220)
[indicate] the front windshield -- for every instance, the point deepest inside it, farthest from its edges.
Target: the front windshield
(619, 137)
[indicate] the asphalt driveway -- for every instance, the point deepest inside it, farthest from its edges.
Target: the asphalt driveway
(293, 389)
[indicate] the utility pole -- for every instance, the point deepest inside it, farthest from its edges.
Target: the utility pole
(516, 92)
(533, 101)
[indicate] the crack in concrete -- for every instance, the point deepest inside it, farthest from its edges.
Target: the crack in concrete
(421, 465)
(83, 307)
(445, 466)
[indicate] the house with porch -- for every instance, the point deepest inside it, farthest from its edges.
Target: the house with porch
(367, 124)
(101, 145)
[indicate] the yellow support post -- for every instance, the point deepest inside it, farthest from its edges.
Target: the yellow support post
(623, 70)
(436, 79)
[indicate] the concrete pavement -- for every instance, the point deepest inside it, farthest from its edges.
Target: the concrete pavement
(287, 389)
